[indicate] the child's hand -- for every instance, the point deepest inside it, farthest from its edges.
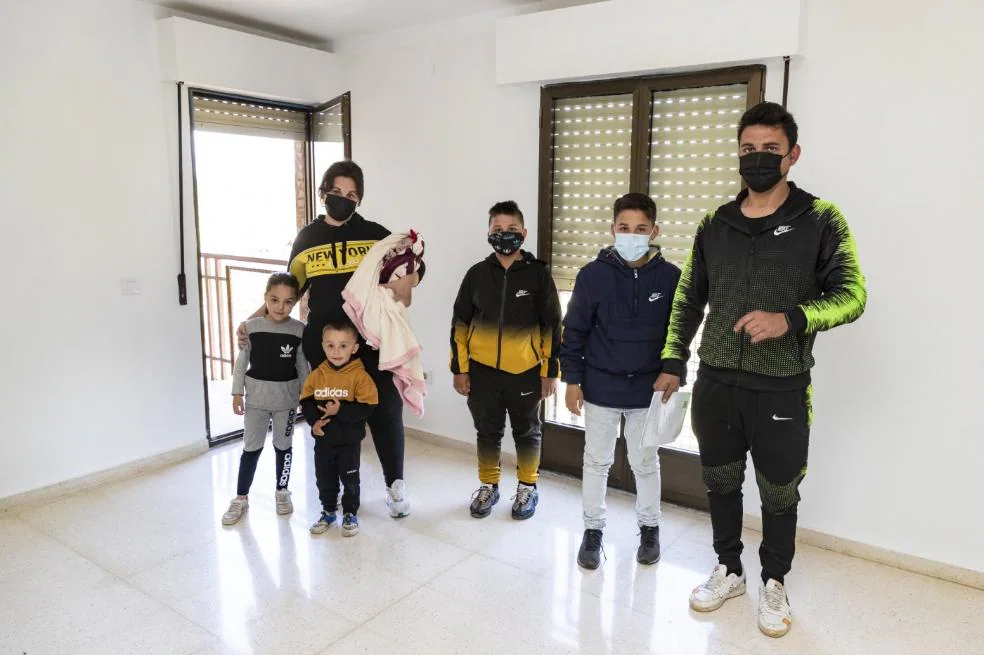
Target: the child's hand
(574, 399)
(462, 384)
(237, 406)
(331, 408)
(318, 429)
(548, 387)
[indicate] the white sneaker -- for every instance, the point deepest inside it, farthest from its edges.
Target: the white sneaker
(775, 616)
(396, 500)
(719, 587)
(237, 508)
(284, 504)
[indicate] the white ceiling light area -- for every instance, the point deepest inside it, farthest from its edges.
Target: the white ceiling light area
(319, 22)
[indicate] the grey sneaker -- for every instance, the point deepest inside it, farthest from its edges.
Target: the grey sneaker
(284, 504)
(525, 502)
(484, 498)
(237, 508)
(327, 520)
(350, 525)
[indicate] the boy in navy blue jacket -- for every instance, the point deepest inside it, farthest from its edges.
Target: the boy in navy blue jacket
(614, 332)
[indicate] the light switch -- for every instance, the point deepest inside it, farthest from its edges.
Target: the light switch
(130, 286)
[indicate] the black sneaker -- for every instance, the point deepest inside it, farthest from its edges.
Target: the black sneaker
(525, 503)
(648, 552)
(482, 501)
(589, 556)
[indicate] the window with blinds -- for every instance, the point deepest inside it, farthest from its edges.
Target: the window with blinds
(213, 114)
(673, 137)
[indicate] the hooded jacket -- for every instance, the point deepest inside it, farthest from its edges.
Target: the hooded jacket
(801, 261)
(615, 329)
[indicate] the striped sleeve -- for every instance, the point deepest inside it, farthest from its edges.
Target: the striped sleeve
(689, 302)
(842, 284)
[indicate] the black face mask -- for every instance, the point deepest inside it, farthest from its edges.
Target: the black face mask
(761, 170)
(505, 243)
(339, 207)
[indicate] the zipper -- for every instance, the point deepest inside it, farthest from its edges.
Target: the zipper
(635, 291)
(502, 317)
(748, 286)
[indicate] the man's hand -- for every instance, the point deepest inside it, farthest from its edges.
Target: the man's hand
(241, 335)
(548, 387)
(237, 406)
(667, 384)
(318, 429)
(763, 325)
(574, 399)
(462, 383)
(330, 409)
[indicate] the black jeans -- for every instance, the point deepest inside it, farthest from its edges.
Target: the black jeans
(494, 394)
(729, 422)
(337, 465)
(386, 422)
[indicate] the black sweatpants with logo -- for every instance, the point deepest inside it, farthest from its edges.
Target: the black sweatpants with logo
(730, 421)
(335, 466)
(495, 394)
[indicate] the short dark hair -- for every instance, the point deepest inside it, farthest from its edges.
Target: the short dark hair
(639, 201)
(508, 207)
(283, 279)
(340, 325)
(346, 168)
(774, 115)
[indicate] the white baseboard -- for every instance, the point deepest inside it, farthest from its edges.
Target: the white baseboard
(927, 567)
(53, 492)
(940, 570)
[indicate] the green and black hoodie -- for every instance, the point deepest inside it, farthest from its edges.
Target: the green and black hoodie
(507, 319)
(801, 261)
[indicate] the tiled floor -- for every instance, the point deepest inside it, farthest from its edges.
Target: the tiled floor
(144, 566)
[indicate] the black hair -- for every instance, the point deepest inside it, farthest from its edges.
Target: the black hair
(639, 201)
(283, 279)
(508, 207)
(773, 115)
(421, 269)
(346, 168)
(341, 325)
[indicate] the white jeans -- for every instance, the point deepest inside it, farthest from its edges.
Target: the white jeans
(600, 435)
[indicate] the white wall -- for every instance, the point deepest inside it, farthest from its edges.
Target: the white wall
(224, 59)
(631, 37)
(91, 379)
(887, 106)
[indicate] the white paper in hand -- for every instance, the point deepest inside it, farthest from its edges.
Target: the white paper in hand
(664, 422)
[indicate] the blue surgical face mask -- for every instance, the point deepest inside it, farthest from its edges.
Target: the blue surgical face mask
(631, 247)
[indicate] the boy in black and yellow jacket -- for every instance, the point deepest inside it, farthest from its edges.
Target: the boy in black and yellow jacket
(505, 338)
(337, 399)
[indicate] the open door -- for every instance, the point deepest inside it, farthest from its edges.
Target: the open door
(254, 166)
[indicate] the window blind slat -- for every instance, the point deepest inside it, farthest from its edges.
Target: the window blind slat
(215, 115)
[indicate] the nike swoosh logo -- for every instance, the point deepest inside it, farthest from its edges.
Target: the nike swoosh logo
(780, 418)
(525, 394)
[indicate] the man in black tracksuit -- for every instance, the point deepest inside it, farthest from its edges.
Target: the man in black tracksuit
(776, 266)
(505, 338)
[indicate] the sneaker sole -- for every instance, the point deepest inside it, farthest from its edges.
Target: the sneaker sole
(349, 533)
(319, 530)
(523, 517)
(735, 593)
(588, 568)
(655, 561)
(775, 634)
(228, 522)
(289, 509)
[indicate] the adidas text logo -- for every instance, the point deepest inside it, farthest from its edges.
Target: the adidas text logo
(286, 351)
(326, 393)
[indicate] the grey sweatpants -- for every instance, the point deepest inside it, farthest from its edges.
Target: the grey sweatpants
(256, 423)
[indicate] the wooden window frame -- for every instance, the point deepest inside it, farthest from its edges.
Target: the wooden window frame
(563, 445)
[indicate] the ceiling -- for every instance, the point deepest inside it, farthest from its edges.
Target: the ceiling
(319, 22)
